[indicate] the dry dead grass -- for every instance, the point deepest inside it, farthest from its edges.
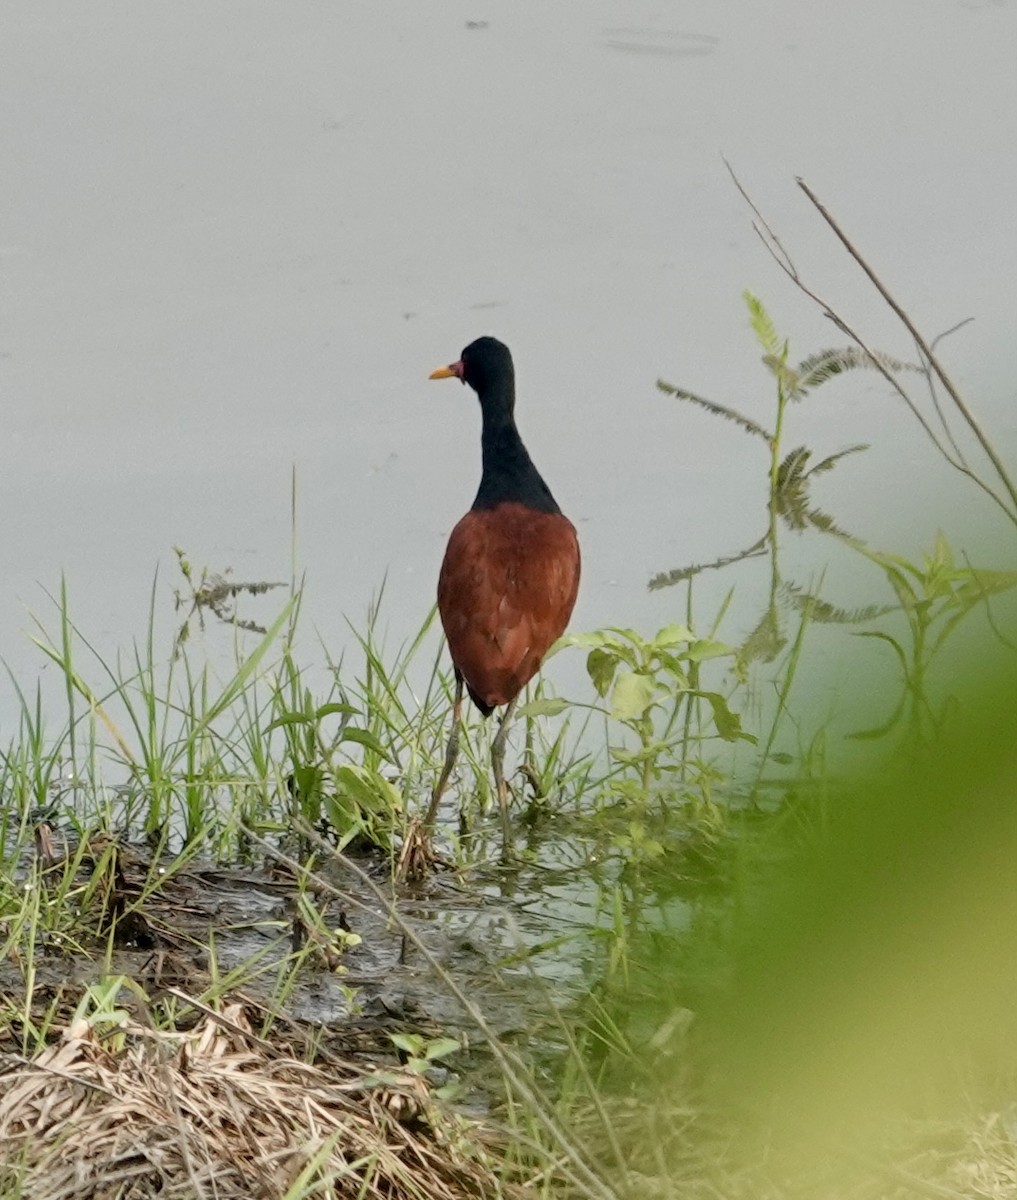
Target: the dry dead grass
(216, 1113)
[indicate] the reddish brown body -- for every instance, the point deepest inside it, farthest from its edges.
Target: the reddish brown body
(506, 591)
(511, 570)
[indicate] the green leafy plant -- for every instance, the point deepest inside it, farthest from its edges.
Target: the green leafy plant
(422, 1056)
(653, 690)
(790, 476)
(423, 1053)
(359, 802)
(934, 597)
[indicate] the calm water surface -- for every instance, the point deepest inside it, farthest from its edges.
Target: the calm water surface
(234, 240)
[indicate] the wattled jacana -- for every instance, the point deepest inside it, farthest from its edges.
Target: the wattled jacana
(511, 569)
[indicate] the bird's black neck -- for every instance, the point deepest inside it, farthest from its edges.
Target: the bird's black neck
(509, 475)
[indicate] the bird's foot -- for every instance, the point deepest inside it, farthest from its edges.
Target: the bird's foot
(417, 858)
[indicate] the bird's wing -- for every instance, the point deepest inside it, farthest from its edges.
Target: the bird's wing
(506, 591)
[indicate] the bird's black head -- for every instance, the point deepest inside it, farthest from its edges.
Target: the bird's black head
(509, 475)
(485, 364)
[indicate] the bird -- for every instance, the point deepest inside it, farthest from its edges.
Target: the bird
(510, 575)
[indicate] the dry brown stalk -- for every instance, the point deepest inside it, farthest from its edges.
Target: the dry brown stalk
(933, 367)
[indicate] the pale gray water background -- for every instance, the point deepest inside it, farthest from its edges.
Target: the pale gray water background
(235, 238)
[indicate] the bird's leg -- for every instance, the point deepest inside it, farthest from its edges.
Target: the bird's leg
(498, 763)
(451, 753)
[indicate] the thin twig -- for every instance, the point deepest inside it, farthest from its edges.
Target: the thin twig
(764, 231)
(775, 248)
(934, 394)
(924, 346)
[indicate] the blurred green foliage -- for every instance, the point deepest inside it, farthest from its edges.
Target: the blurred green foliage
(876, 975)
